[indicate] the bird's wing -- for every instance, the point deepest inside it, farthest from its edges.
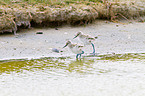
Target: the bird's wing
(88, 37)
(80, 46)
(76, 45)
(96, 37)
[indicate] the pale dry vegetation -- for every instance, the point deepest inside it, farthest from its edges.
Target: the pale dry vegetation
(23, 13)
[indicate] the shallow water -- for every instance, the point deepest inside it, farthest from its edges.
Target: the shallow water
(102, 75)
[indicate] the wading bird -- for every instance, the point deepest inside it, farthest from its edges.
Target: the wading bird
(74, 48)
(86, 39)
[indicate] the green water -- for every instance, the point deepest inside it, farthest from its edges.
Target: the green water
(80, 65)
(43, 64)
(90, 76)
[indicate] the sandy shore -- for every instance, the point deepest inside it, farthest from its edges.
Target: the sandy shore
(112, 37)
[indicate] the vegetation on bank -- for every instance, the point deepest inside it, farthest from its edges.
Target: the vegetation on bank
(26, 13)
(49, 1)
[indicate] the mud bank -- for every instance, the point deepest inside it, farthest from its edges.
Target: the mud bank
(112, 38)
(22, 15)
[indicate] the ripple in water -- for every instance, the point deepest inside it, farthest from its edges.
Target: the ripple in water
(104, 75)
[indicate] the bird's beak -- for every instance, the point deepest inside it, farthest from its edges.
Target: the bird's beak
(76, 36)
(65, 46)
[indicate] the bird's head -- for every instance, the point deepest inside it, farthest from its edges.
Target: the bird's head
(67, 43)
(78, 34)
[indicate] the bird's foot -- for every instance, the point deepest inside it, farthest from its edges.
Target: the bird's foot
(93, 54)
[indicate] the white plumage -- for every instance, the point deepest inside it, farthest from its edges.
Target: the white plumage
(74, 48)
(86, 39)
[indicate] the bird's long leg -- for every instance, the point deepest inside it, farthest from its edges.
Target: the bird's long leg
(81, 53)
(93, 48)
(77, 56)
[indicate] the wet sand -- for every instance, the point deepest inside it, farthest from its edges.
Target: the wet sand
(112, 38)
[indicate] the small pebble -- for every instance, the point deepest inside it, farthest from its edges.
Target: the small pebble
(39, 32)
(56, 28)
(106, 21)
(55, 50)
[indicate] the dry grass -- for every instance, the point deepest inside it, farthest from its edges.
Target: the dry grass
(21, 13)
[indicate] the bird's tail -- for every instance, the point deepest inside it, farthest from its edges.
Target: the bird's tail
(96, 37)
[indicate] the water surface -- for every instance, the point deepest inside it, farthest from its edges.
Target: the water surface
(102, 75)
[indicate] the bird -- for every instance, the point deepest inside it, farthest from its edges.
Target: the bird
(86, 39)
(75, 48)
